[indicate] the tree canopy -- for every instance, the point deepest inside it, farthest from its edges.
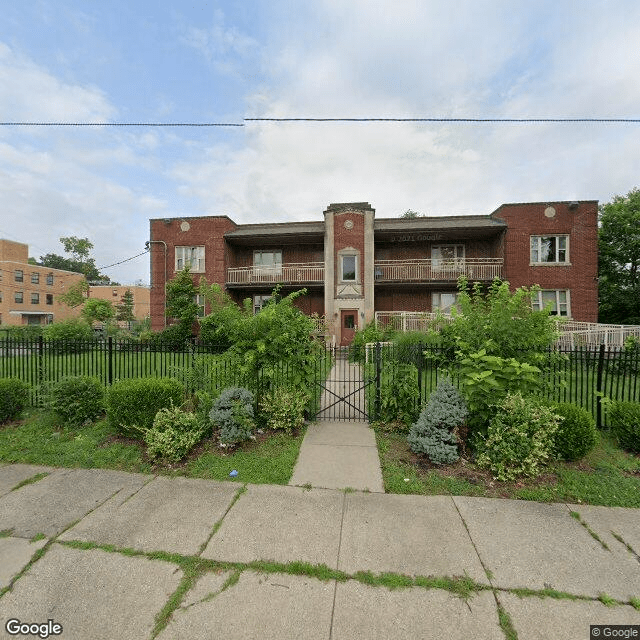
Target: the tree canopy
(619, 260)
(79, 260)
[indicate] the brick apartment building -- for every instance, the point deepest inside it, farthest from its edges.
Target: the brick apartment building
(114, 294)
(29, 293)
(353, 264)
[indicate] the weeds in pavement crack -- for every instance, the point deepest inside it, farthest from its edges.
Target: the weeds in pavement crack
(592, 533)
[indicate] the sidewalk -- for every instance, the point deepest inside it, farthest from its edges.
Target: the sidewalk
(119, 549)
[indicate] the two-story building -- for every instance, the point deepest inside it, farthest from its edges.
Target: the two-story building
(353, 264)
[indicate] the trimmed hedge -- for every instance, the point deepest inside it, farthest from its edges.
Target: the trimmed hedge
(14, 397)
(76, 399)
(132, 405)
(576, 434)
(624, 418)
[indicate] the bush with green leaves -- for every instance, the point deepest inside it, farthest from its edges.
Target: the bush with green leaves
(76, 399)
(232, 415)
(173, 434)
(437, 431)
(576, 434)
(69, 336)
(624, 421)
(283, 409)
(132, 404)
(520, 438)
(369, 333)
(14, 397)
(399, 393)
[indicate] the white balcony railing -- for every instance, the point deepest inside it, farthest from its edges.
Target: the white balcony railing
(296, 273)
(438, 270)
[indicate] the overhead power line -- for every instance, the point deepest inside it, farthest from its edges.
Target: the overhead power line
(121, 124)
(123, 261)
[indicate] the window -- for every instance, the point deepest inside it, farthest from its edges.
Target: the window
(259, 302)
(350, 321)
(558, 300)
(549, 249)
(49, 279)
(349, 268)
(192, 257)
(199, 300)
(49, 298)
(35, 298)
(18, 297)
(35, 278)
(447, 255)
(114, 293)
(267, 262)
(19, 275)
(443, 301)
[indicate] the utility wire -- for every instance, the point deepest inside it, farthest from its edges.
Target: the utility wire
(123, 261)
(121, 124)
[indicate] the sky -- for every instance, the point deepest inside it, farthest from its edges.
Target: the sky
(221, 62)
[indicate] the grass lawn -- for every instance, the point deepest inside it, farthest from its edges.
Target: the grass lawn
(606, 476)
(39, 439)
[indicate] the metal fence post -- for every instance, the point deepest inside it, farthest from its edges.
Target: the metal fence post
(378, 367)
(599, 386)
(110, 356)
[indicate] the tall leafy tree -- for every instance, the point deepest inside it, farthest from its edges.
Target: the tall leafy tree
(619, 260)
(181, 298)
(96, 310)
(78, 261)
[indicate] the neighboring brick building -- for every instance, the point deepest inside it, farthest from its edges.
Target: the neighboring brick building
(353, 265)
(29, 293)
(114, 293)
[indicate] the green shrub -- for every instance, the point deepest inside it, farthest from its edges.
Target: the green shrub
(175, 337)
(232, 414)
(624, 420)
(370, 333)
(173, 434)
(14, 397)
(283, 409)
(399, 393)
(70, 332)
(132, 404)
(437, 431)
(576, 434)
(76, 399)
(519, 438)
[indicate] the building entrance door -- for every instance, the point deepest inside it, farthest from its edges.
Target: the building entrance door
(348, 325)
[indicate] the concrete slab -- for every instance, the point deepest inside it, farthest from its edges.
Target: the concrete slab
(355, 434)
(338, 467)
(207, 587)
(261, 607)
(533, 545)
(362, 611)
(541, 619)
(606, 521)
(53, 503)
(92, 594)
(13, 474)
(270, 522)
(168, 514)
(413, 535)
(15, 554)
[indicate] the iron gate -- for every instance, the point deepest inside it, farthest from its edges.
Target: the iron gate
(349, 388)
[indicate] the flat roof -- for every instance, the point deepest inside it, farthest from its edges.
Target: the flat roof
(437, 223)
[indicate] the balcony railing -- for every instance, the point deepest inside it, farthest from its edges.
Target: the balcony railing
(295, 273)
(437, 270)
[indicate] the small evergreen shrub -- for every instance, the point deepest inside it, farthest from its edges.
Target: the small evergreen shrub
(624, 420)
(69, 336)
(519, 438)
(173, 434)
(437, 431)
(14, 397)
(399, 393)
(132, 404)
(232, 414)
(76, 399)
(283, 409)
(576, 434)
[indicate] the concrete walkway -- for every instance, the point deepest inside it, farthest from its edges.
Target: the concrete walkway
(108, 555)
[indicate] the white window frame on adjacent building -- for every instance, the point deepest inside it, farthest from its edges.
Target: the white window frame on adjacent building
(267, 262)
(559, 299)
(444, 301)
(259, 302)
(452, 256)
(348, 272)
(200, 301)
(193, 257)
(552, 249)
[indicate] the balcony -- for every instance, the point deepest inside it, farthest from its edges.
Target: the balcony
(485, 269)
(292, 273)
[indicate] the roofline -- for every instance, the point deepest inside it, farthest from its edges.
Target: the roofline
(41, 266)
(545, 202)
(191, 218)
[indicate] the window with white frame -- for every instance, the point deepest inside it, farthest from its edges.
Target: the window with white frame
(558, 300)
(444, 301)
(447, 255)
(348, 268)
(549, 249)
(192, 257)
(200, 301)
(259, 302)
(267, 262)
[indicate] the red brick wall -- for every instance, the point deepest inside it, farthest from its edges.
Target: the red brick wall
(206, 231)
(422, 250)
(344, 238)
(580, 223)
(403, 299)
(243, 256)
